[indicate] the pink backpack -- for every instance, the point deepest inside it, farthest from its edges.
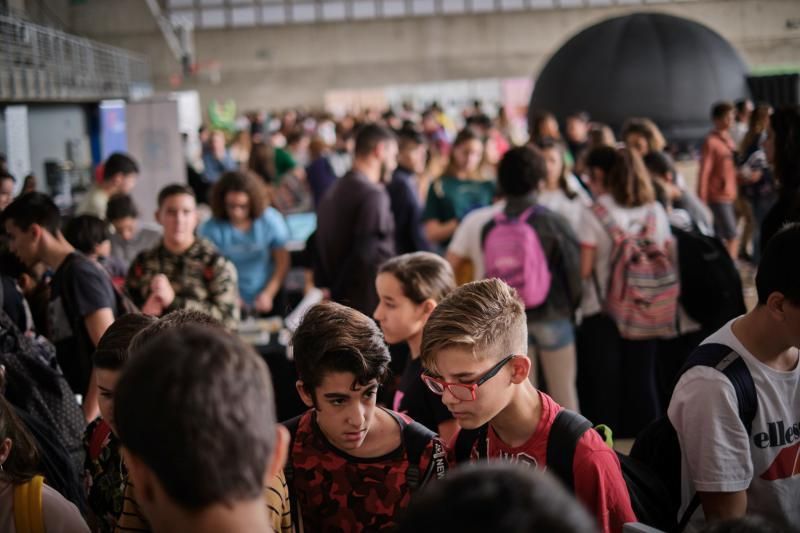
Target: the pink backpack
(643, 290)
(513, 253)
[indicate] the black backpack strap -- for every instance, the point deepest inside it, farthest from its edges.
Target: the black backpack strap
(465, 441)
(730, 363)
(568, 427)
(416, 439)
(288, 469)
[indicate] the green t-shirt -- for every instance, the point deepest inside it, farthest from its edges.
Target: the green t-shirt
(284, 162)
(450, 198)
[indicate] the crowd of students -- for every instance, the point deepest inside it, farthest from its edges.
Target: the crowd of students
(479, 295)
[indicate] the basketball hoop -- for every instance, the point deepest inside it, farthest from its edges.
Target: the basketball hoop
(210, 71)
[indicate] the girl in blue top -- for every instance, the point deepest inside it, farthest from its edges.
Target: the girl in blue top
(252, 235)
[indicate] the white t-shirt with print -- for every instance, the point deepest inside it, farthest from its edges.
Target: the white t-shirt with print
(466, 241)
(717, 453)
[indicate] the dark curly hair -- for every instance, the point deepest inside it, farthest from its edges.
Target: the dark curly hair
(245, 182)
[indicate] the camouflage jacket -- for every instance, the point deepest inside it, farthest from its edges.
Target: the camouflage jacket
(201, 278)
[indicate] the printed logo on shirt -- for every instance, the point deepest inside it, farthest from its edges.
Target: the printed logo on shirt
(777, 435)
(785, 465)
(519, 458)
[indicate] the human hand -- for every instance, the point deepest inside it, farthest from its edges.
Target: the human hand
(264, 302)
(162, 289)
(153, 306)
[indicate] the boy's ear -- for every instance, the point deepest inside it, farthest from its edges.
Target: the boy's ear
(304, 395)
(775, 303)
(428, 306)
(520, 368)
(35, 231)
(141, 476)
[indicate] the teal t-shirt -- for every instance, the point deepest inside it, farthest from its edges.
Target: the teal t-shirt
(450, 198)
(284, 162)
(251, 251)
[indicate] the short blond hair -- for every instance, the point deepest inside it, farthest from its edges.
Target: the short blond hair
(485, 317)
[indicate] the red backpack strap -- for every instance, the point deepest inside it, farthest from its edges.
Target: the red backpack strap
(615, 232)
(649, 229)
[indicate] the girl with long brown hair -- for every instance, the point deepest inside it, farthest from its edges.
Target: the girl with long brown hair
(459, 190)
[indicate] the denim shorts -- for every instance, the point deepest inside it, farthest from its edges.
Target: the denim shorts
(724, 220)
(551, 335)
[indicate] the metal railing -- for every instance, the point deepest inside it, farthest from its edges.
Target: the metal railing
(217, 14)
(38, 63)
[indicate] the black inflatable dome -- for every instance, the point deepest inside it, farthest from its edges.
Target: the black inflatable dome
(646, 64)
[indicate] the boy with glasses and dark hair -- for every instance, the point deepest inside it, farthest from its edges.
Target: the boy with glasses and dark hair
(474, 349)
(352, 465)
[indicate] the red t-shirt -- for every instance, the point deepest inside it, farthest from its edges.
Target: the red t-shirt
(335, 491)
(598, 478)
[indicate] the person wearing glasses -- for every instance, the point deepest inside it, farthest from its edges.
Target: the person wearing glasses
(352, 466)
(474, 351)
(252, 236)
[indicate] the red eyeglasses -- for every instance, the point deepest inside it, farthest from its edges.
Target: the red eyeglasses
(466, 392)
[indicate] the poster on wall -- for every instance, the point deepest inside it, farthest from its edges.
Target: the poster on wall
(18, 143)
(155, 143)
(113, 128)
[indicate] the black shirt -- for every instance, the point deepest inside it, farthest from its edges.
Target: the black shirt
(785, 210)
(355, 234)
(79, 288)
(416, 400)
(407, 213)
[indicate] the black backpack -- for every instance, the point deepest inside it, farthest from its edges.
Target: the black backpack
(711, 289)
(646, 491)
(36, 385)
(657, 446)
(415, 439)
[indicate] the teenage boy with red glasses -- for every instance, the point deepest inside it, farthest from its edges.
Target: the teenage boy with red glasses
(352, 466)
(473, 349)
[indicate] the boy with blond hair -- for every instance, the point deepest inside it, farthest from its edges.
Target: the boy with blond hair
(474, 350)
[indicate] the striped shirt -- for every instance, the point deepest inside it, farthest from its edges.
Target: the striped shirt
(276, 496)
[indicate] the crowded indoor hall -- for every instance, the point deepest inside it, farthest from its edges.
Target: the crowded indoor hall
(310, 266)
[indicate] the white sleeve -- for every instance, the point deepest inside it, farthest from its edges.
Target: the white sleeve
(714, 442)
(460, 243)
(590, 228)
(59, 514)
(663, 232)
